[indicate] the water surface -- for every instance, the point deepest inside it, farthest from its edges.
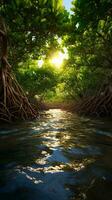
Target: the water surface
(60, 156)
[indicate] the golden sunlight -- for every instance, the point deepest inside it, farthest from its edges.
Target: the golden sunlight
(58, 58)
(57, 61)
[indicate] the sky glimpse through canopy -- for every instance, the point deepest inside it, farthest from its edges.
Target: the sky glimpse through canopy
(67, 4)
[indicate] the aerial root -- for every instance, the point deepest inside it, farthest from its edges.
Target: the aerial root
(99, 105)
(14, 104)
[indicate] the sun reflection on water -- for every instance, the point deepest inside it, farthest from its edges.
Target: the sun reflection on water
(51, 157)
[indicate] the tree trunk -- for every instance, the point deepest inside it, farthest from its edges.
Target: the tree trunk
(13, 101)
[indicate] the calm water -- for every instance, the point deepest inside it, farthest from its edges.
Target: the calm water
(58, 157)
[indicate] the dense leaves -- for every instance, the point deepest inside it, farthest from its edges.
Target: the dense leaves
(34, 28)
(35, 80)
(30, 24)
(90, 47)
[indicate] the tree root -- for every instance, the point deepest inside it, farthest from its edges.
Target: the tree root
(14, 104)
(99, 105)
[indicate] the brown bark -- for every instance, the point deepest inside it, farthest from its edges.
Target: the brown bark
(99, 105)
(13, 101)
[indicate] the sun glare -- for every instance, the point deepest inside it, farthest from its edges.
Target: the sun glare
(57, 59)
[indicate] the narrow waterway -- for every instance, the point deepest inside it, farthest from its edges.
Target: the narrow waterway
(60, 156)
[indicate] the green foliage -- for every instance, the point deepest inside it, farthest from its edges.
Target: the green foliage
(34, 27)
(36, 81)
(92, 23)
(30, 24)
(83, 81)
(90, 47)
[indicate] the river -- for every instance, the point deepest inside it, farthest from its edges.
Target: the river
(60, 156)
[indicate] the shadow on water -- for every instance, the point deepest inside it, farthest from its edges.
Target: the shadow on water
(59, 156)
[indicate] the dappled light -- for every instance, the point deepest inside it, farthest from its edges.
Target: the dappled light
(53, 156)
(40, 63)
(55, 100)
